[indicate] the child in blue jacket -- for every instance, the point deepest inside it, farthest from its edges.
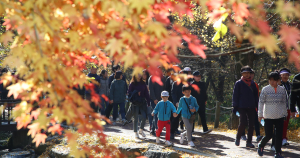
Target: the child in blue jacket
(164, 108)
(187, 106)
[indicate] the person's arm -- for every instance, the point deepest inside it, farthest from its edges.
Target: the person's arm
(124, 79)
(173, 110)
(168, 84)
(235, 97)
(203, 91)
(284, 102)
(111, 93)
(151, 89)
(146, 94)
(195, 104)
(110, 79)
(294, 95)
(174, 92)
(179, 106)
(155, 111)
(261, 104)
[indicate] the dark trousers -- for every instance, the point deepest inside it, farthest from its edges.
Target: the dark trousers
(116, 112)
(202, 114)
(154, 126)
(256, 126)
(269, 123)
(92, 104)
(247, 116)
(108, 110)
(175, 123)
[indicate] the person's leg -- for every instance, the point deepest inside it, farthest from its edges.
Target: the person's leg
(251, 117)
(285, 125)
(143, 117)
(135, 116)
(150, 117)
(278, 137)
(103, 106)
(243, 123)
(154, 121)
(108, 110)
(188, 127)
(268, 133)
(122, 110)
(160, 125)
(175, 123)
(202, 114)
(181, 124)
(115, 111)
(256, 125)
(168, 126)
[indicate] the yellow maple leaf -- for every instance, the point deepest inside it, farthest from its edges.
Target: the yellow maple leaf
(285, 9)
(128, 58)
(157, 29)
(6, 37)
(114, 46)
(140, 6)
(113, 26)
(266, 41)
(137, 70)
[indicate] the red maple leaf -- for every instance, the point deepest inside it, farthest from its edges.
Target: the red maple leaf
(290, 36)
(294, 57)
(39, 138)
(263, 27)
(33, 129)
(198, 49)
(56, 128)
(214, 4)
(241, 12)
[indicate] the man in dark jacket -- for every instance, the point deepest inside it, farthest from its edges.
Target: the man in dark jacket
(295, 95)
(245, 101)
(155, 94)
(201, 98)
(93, 76)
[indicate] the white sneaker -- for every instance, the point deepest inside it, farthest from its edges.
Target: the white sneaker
(191, 144)
(181, 138)
(168, 143)
(284, 142)
(273, 148)
(141, 132)
(137, 135)
(157, 140)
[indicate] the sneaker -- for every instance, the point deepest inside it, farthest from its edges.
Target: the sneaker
(208, 131)
(153, 134)
(141, 132)
(137, 135)
(237, 142)
(273, 148)
(260, 151)
(284, 142)
(181, 138)
(250, 145)
(258, 138)
(172, 136)
(168, 143)
(157, 140)
(191, 144)
(244, 138)
(278, 155)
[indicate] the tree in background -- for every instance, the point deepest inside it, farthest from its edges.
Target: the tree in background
(55, 40)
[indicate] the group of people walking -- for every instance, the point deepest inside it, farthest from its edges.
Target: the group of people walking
(272, 107)
(163, 105)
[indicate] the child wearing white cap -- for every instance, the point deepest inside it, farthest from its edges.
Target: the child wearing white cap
(164, 108)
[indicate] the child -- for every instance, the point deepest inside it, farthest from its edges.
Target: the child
(187, 106)
(164, 108)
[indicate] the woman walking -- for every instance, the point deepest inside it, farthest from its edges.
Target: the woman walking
(140, 99)
(117, 96)
(244, 101)
(104, 90)
(272, 108)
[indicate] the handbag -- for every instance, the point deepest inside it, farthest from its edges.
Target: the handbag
(193, 116)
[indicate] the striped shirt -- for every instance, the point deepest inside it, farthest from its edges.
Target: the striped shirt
(272, 105)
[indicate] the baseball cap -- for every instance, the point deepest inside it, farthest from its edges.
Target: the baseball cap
(246, 69)
(187, 69)
(164, 93)
(196, 73)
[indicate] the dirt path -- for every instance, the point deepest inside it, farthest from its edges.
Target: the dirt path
(216, 144)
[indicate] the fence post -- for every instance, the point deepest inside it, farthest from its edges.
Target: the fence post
(217, 114)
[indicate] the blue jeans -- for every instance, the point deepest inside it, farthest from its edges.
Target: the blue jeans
(104, 104)
(154, 126)
(122, 110)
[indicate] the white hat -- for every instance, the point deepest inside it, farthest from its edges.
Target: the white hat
(187, 69)
(164, 93)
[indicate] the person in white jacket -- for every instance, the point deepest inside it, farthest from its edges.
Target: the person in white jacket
(272, 108)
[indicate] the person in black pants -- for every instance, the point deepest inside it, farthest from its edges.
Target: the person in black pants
(201, 97)
(272, 108)
(244, 101)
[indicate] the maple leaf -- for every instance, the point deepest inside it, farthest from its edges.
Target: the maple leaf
(156, 28)
(33, 129)
(196, 88)
(39, 138)
(294, 57)
(269, 42)
(140, 6)
(264, 27)
(6, 37)
(214, 4)
(173, 42)
(285, 9)
(234, 29)
(114, 46)
(198, 49)
(55, 128)
(290, 36)
(241, 12)
(23, 120)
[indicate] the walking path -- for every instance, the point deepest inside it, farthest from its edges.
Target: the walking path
(214, 144)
